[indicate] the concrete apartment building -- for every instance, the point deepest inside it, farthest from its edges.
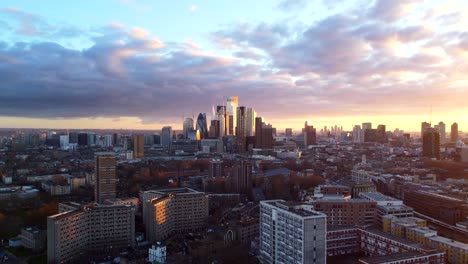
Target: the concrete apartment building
(33, 238)
(291, 233)
(89, 229)
(106, 177)
(170, 211)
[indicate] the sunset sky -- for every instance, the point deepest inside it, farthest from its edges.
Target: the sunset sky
(144, 64)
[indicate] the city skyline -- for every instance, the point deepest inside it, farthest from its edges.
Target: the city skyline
(146, 65)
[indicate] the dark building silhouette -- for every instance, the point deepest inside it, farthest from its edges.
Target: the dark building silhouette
(370, 135)
(310, 135)
(214, 129)
(267, 136)
(115, 139)
(288, 132)
(454, 132)
(424, 127)
(381, 134)
(73, 138)
(82, 139)
(202, 127)
(258, 132)
(431, 143)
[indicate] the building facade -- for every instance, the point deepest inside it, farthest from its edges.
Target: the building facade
(106, 178)
(291, 234)
(170, 211)
(91, 229)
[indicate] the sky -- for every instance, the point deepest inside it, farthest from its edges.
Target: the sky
(144, 64)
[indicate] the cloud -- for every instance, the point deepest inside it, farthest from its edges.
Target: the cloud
(193, 8)
(343, 64)
(291, 5)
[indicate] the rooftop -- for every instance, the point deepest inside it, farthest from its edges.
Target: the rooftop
(298, 209)
(450, 242)
(396, 257)
(377, 197)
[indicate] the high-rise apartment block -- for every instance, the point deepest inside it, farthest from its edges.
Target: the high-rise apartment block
(292, 233)
(454, 132)
(310, 135)
(166, 134)
(431, 143)
(241, 125)
(138, 146)
(424, 127)
(241, 178)
(106, 178)
(288, 132)
(90, 229)
(170, 211)
(216, 168)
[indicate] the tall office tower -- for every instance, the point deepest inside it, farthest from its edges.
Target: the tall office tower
(221, 116)
(381, 134)
(106, 178)
(288, 132)
(82, 139)
(214, 129)
(258, 132)
(310, 135)
(170, 211)
(267, 136)
(108, 141)
(424, 127)
(64, 141)
(454, 132)
(216, 168)
(166, 134)
(91, 139)
(187, 126)
(115, 139)
(241, 179)
(241, 125)
(441, 128)
(431, 143)
(357, 134)
(138, 146)
(202, 127)
(370, 135)
(90, 229)
(366, 126)
(292, 234)
(73, 137)
(231, 110)
(250, 122)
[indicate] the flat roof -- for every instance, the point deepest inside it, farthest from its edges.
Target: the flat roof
(299, 209)
(450, 242)
(397, 256)
(378, 197)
